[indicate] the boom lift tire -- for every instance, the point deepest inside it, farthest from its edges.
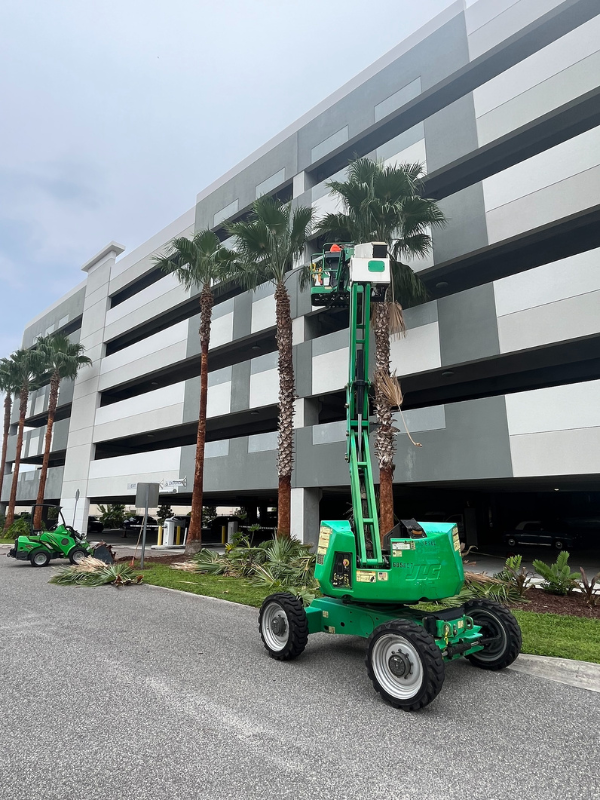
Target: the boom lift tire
(405, 664)
(283, 626)
(39, 558)
(499, 626)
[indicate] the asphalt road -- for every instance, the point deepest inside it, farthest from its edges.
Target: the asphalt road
(144, 693)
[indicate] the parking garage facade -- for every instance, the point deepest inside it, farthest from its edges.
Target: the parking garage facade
(500, 368)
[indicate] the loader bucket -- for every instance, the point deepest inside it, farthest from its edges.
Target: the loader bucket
(104, 552)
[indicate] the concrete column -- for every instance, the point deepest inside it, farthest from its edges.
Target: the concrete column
(80, 444)
(305, 515)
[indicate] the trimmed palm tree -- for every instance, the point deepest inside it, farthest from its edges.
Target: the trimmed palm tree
(59, 358)
(268, 243)
(26, 364)
(385, 204)
(200, 261)
(9, 385)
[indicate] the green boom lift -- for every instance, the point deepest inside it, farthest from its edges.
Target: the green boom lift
(372, 586)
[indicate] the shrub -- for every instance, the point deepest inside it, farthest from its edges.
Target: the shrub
(590, 588)
(112, 515)
(515, 574)
(93, 572)
(20, 527)
(558, 578)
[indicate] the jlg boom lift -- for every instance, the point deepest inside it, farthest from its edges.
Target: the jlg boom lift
(371, 587)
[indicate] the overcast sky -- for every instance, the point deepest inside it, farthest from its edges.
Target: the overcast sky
(115, 114)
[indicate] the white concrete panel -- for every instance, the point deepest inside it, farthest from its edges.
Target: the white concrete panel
(149, 401)
(572, 452)
(140, 299)
(500, 26)
(327, 145)
(117, 485)
(553, 322)
(151, 344)
(264, 388)
(570, 196)
(221, 330)
(330, 371)
(167, 417)
(39, 404)
(328, 204)
(154, 361)
(77, 464)
(94, 318)
(270, 183)
(414, 154)
(83, 412)
(216, 449)
(218, 400)
(418, 351)
(226, 212)
(155, 461)
(552, 166)
(182, 226)
(263, 313)
(138, 316)
(398, 99)
(567, 85)
(557, 57)
(556, 408)
(549, 283)
(261, 442)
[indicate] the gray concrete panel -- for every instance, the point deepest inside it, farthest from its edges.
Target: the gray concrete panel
(240, 386)
(71, 307)
(60, 435)
(451, 133)
(28, 485)
(319, 465)
(218, 376)
(466, 229)
(263, 363)
(332, 341)
(236, 472)
(303, 369)
(191, 400)
(242, 315)
(65, 395)
(242, 187)
(193, 337)
(468, 326)
(474, 445)
(357, 109)
(424, 314)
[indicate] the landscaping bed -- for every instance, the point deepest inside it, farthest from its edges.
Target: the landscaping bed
(572, 605)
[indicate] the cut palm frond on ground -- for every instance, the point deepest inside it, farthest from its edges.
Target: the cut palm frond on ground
(93, 572)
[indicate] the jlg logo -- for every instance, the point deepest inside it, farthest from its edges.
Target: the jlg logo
(424, 572)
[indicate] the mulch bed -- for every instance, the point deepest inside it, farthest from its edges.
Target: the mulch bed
(571, 605)
(149, 561)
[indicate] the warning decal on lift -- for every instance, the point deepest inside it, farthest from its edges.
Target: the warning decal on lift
(342, 570)
(456, 540)
(324, 534)
(382, 576)
(365, 576)
(398, 547)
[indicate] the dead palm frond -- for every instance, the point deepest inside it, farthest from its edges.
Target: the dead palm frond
(390, 388)
(397, 324)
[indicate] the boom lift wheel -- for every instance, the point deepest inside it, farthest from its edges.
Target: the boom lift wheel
(501, 634)
(405, 664)
(40, 558)
(283, 626)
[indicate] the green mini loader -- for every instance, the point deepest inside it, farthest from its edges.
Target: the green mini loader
(372, 587)
(39, 547)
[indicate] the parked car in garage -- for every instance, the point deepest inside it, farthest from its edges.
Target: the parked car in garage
(94, 525)
(135, 522)
(536, 532)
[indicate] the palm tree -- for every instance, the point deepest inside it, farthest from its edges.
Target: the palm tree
(8, 385)
(200, 261)
(59, 358)
(26, 364)
(267, 245)
(385, 204)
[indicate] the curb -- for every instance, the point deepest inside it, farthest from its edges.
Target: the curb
(201, 596)
(580, 674)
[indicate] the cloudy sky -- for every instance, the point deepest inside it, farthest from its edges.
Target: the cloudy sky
(115, 114)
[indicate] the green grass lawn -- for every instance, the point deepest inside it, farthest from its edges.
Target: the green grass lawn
(7, 541)
(543, 634)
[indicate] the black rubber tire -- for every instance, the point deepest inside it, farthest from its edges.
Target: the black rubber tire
(493, 618)
(296, 621)
(431, 662)
(39, 553)
(75, 553)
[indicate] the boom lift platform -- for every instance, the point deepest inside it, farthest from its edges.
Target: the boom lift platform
(371, 585)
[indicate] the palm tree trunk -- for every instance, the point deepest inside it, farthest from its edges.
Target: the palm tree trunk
(10, 515)
(194, 538)
(285, 423)
(7, 412)
(52, 403)
(385, 443)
